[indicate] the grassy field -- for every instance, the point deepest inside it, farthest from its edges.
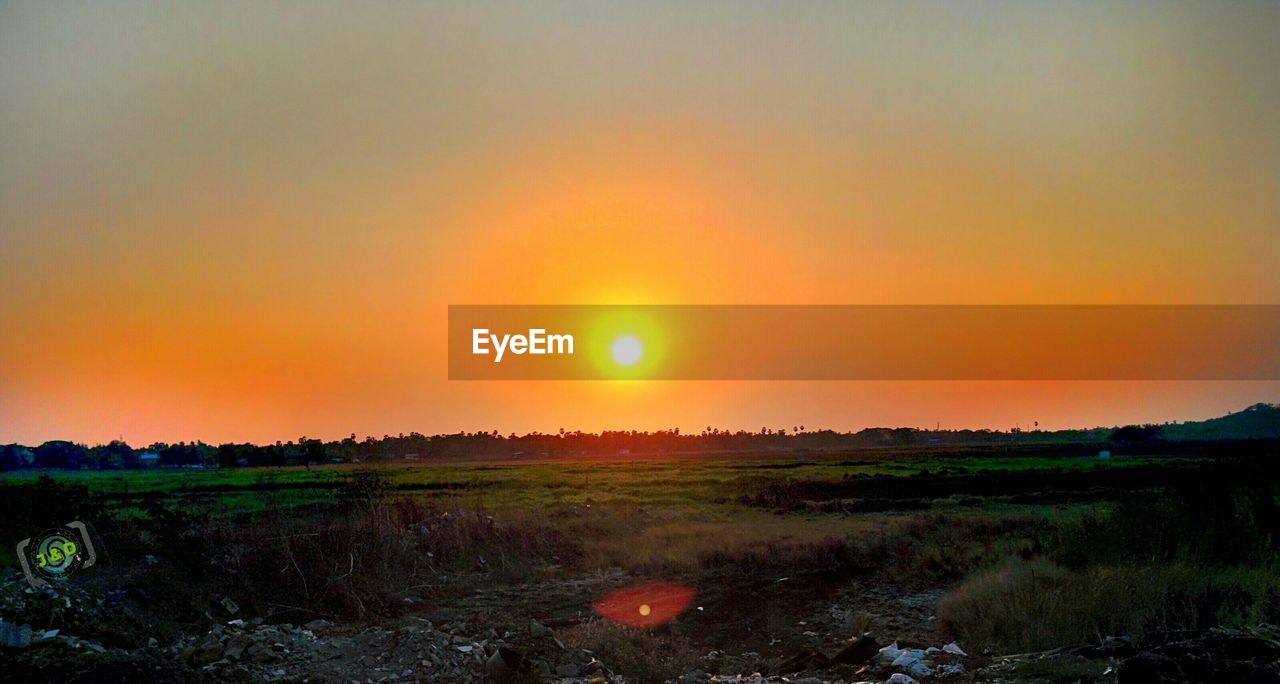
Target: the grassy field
(532, 485)
(1004, 552)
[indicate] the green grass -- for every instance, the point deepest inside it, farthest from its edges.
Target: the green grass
(1019, 576)
(502, 486)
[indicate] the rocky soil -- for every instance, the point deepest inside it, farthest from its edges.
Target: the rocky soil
(57, 634)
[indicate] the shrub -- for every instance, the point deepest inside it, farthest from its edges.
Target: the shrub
(639, 655)
(1035, 605)
(1228, 514)
(377, 550)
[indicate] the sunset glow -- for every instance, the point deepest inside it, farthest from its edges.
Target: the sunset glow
(226, 234)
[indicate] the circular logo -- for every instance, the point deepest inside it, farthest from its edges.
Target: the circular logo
(55, 554)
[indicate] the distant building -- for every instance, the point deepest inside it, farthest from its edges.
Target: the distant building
(148, 459)
(1104, 455)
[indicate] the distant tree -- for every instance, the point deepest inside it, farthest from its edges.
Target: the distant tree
(60, 454)
(1135, 434)
(11, 457)
(116, 454)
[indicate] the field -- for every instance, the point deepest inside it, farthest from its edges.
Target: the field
(785, 556)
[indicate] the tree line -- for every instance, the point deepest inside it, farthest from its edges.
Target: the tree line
(1261, 421)
(62, 454)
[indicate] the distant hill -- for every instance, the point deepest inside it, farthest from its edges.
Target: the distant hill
(1260, 421)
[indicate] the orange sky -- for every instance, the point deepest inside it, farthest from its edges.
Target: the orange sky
(245, 222)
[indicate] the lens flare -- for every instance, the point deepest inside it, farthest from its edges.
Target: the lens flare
(645, 605)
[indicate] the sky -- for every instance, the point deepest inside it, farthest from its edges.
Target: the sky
(245, 221)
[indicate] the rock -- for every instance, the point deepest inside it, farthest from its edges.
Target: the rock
(900, 678)
(261, 653)
(14, 636)
(235, 647)
(230, 605)
(858, 651)
(1149, 668)
(908, 657)
(919, 669)
(888, 654)
(804, 660)
(1248, 672)
(694, 677)
(1117, 647)
(567, 670)
(505, 665)
(537, 630)
(320, 627)
(807, 680)
(205, 653)
(954, 649)
(1244, 647)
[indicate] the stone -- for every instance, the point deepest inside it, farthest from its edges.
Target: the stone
(207, 652)
(1117, 647)
(919, 669)
(537, 630)
(1149, 668)
(235, 647)
(319, 626)
(505, 665)
(954, 649)
(261, 653)
(858, 651)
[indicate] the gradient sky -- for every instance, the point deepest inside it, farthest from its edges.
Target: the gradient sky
(245, 221)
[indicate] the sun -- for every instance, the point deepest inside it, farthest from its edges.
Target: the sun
(623, 342)
(626, 350)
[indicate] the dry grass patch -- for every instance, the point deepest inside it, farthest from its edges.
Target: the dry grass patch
(1038, 605)
(639, 655)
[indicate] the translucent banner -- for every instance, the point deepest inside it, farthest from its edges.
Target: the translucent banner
(864, 342)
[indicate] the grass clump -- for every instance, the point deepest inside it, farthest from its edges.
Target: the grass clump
(639, 655)
(1029, 606)
(378, 549)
